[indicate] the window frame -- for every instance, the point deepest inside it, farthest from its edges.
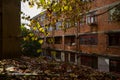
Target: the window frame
(88, 39)
(91, 18)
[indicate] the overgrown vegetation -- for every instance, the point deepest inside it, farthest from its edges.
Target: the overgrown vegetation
(31, 44)
(55, 10)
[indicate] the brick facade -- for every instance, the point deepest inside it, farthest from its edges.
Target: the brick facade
(90, 45)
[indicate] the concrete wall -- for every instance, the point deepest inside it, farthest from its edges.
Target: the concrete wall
(103, 64)
(10, 28)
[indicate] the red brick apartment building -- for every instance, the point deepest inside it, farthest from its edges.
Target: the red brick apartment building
(94, 43)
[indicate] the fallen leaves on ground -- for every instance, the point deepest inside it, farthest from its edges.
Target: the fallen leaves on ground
(43, 68)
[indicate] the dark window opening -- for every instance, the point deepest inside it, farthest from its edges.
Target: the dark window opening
(72, 57)
(115, 66)
(114, 39)
(90, 61)
(58, 55)
(70, 40)
(58, 40)
(66, 57)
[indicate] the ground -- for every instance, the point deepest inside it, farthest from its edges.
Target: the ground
(43, 68)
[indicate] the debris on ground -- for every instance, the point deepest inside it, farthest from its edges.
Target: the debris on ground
(43, 68)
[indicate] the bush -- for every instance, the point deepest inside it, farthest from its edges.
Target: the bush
(31, 44)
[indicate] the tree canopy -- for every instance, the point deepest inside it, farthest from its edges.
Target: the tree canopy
(61, 9)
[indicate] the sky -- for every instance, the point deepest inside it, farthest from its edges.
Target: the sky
(29, 11)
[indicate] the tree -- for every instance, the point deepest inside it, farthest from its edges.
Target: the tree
(61, 9)
(31, 44)
(56, 10)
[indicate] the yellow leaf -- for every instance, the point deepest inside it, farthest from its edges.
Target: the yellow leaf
(40, 41)
(39, 50)
(70, 8)
(38, 25)
(42, 2)
(66, 7)
(48, 2)
(41, 30)
(36, 38)
(34, 28)
(26, 38)
(31, 34)
(53, 53)
(33, 38)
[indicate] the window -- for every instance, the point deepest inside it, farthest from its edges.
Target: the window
(58, 55)
(115, 66)
(70, 40)
(114, 39)
(58, 25)
(58, 40)
(90, 61)
(72, 57)
(91, 39)
(43, 17)
(82, 20)
(91, 18)
(68, 23)
(50, 28)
